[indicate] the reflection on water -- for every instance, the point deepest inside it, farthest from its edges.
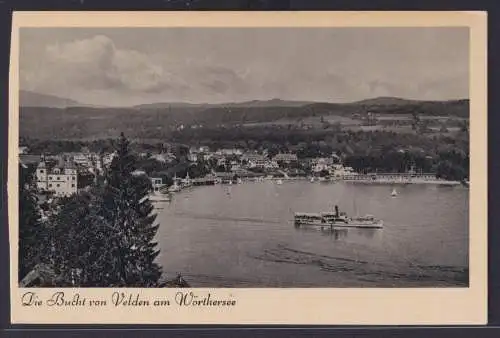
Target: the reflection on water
(247, 238)
(337, 233)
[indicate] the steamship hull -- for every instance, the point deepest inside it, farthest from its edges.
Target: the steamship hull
(349, 224)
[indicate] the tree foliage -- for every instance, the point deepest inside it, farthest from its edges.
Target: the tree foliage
(32, 237)
(104, 237)
(126, 207)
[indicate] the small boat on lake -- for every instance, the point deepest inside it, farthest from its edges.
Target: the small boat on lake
(279, 182)
(336, 219)
(394, 193)
(174, 188)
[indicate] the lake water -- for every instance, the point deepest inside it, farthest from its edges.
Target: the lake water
(243, 236)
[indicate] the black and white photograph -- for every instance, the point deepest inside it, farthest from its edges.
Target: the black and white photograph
(244, 157)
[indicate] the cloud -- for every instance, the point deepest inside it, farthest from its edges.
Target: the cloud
(95, 64)
(456, 87)
(221, 80)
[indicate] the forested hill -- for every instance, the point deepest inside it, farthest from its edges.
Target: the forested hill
(89, 122)
(385, 105)
(32, 99)
(245, 104)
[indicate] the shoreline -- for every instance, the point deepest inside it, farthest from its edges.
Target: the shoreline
(163, 196)
(403, 182)
(335, 180)
(159, 200)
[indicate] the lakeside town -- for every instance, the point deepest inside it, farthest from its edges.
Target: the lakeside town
(62, 175)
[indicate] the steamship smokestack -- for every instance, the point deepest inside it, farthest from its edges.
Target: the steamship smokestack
(336, 211)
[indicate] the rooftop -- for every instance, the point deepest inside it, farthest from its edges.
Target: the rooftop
(61, 164)
(29, 159)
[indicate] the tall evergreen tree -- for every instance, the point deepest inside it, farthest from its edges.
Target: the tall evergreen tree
(128, 210)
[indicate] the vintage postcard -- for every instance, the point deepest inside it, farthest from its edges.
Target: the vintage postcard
(248, 168)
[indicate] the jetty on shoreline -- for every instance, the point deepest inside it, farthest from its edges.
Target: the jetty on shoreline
(398, 178)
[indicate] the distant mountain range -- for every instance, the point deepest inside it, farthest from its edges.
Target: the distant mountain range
(386, 101)
(246, 104)
(32, 99)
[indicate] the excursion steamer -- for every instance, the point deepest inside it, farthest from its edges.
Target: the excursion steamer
(336, 219)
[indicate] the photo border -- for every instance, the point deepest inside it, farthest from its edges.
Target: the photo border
(472, 175)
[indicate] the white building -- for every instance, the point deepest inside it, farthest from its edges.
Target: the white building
(157, 183)
(207, 157)
(60, 179)
(257, 162)
(221, 161)
(229, 152)
(285, 158)
(138, 172)
(108, 158)
(193, 157)
(254, 160)
(167, 157)
(271, 165)
(159, 157)
(321, 164)
(236, 167)
(338, 170)
(82, 159)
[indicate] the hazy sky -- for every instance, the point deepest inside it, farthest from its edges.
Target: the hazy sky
(125, 66)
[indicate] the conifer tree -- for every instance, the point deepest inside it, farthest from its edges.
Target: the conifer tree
(128, 210)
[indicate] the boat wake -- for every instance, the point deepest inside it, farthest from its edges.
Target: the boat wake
(212, 217)
(371, 274)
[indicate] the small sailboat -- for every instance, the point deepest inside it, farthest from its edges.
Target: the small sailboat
(394, 193)
(174, 187)
(280, 181)
(312, 179)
